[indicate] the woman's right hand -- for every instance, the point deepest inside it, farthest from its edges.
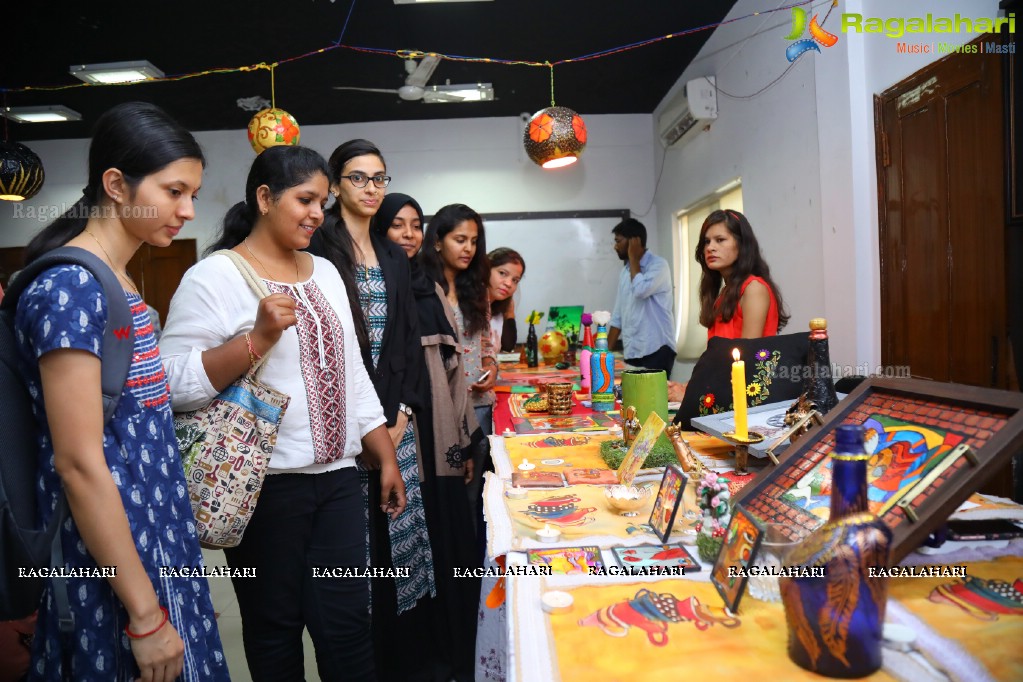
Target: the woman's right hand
(160, 656)
(276, 313)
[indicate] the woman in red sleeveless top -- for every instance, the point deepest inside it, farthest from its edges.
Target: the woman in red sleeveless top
(749, 304)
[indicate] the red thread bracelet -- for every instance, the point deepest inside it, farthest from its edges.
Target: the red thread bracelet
(166, 617)
(253, 355)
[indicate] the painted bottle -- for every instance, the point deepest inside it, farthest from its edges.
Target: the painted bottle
(586, 353)
(819, 385)
(602, 367)
(532, 350)
(835, 620)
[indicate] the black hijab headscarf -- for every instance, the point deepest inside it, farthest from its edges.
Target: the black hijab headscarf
(432, 320)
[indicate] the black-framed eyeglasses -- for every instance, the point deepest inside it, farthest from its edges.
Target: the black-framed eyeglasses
(360, 180)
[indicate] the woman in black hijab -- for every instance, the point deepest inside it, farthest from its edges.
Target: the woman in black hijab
(447, 433)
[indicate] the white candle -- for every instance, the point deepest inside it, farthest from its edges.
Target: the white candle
(556, 601)
(526, 465)
(548, 534)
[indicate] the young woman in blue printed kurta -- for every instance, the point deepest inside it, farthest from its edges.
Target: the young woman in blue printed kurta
(123, 480)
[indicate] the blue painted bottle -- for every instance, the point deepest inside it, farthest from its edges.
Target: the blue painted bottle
(835, 620)
(602, 373)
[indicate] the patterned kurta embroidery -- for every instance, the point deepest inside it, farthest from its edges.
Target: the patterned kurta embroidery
(320, 331)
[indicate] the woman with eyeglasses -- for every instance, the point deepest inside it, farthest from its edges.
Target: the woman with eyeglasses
(376, 272)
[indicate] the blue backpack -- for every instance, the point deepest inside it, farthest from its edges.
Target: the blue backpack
(24, 542)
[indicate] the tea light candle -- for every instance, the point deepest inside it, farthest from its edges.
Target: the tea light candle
(516, 493)
(526, 465)
(556, 601)
(739, 396)
(508, 433)
(548, 534)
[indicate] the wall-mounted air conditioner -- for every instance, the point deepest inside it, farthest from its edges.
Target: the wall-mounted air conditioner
(689, 113)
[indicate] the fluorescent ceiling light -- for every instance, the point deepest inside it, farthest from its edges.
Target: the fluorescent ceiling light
(51, 114)
(116, 72)
(421, 2)
(731, 184)
(472, 92)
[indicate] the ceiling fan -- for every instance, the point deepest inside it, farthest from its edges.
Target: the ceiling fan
(415, 88)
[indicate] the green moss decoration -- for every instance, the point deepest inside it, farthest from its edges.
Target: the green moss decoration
(613, 452)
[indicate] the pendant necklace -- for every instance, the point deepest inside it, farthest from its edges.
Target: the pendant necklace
(124, 276)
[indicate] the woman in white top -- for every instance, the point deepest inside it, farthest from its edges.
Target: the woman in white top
(309, 516)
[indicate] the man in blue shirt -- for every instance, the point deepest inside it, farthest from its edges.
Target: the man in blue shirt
(642, 314)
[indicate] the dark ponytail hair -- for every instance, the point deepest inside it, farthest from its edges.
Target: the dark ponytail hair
(749, 262)
(138, 139)
(334, 242)
(279, 168)
(498, 257)
(471, 283)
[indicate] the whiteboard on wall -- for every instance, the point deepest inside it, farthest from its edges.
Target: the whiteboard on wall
(570, 259)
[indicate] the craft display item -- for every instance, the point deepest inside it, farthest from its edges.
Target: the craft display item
(586, 352)
(602, 367)
(627, 500)
(741, 544)
(548, 534)
(640, 448)
(538, 479)
(686, 457)
(567, 560)
(656, 556)
(820, 386)
(739, 394)
(630, 425)
(713, 501)
(667, 502)
(559, 398)
(553, 345)
(835, 620)
(536, 403)
(581, 476)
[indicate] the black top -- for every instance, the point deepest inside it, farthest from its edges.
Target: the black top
(396, 375)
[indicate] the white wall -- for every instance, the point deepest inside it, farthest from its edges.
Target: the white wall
(770, 141)
(479, 162)
(805, 151)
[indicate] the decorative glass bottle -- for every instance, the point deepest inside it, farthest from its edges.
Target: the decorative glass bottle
(602, 367)
(586, 353)
(820, 386)
(532, 350)
(835, 620)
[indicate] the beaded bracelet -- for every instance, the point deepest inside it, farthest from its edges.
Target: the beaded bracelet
(143, 635)
(253, 355)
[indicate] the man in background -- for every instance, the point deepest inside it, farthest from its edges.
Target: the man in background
(642, 315)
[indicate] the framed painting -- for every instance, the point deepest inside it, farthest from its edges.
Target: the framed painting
(742, 541)
(567, 560)
(668, 499)
(932, 445)
(656, 556)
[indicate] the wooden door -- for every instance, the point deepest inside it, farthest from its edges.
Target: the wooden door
(943, 282)
(941, 161)
(10, 262)
(158, 271)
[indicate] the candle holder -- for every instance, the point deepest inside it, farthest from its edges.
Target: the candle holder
(742, 449)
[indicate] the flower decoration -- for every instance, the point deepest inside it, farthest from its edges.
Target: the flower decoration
(753, 390)
(271, 127)
(707, 400)
(762, 354)
(555, 137)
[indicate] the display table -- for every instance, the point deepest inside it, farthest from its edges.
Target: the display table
(634, 628)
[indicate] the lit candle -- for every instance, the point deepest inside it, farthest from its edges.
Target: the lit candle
(739, 395)
(526, 465)
(548, 534)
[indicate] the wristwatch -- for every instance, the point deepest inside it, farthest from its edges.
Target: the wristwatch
(402, 407)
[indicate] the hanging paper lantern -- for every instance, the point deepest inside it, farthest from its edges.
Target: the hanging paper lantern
(21, 172)
(271, 127)
(555, 137)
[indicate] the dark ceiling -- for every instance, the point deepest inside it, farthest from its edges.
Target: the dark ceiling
(190, 36)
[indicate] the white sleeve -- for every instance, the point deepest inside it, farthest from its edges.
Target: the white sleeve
(197, 321)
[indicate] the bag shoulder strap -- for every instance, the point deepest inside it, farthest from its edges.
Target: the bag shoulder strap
(258, 286)
(250, 276)
(118, 336)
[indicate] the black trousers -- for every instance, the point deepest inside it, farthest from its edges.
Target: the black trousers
(305, 522)
(662, 358)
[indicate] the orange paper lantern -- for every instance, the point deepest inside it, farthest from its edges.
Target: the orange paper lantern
(271, 127)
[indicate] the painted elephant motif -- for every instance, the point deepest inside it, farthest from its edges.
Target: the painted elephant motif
(652, 612)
